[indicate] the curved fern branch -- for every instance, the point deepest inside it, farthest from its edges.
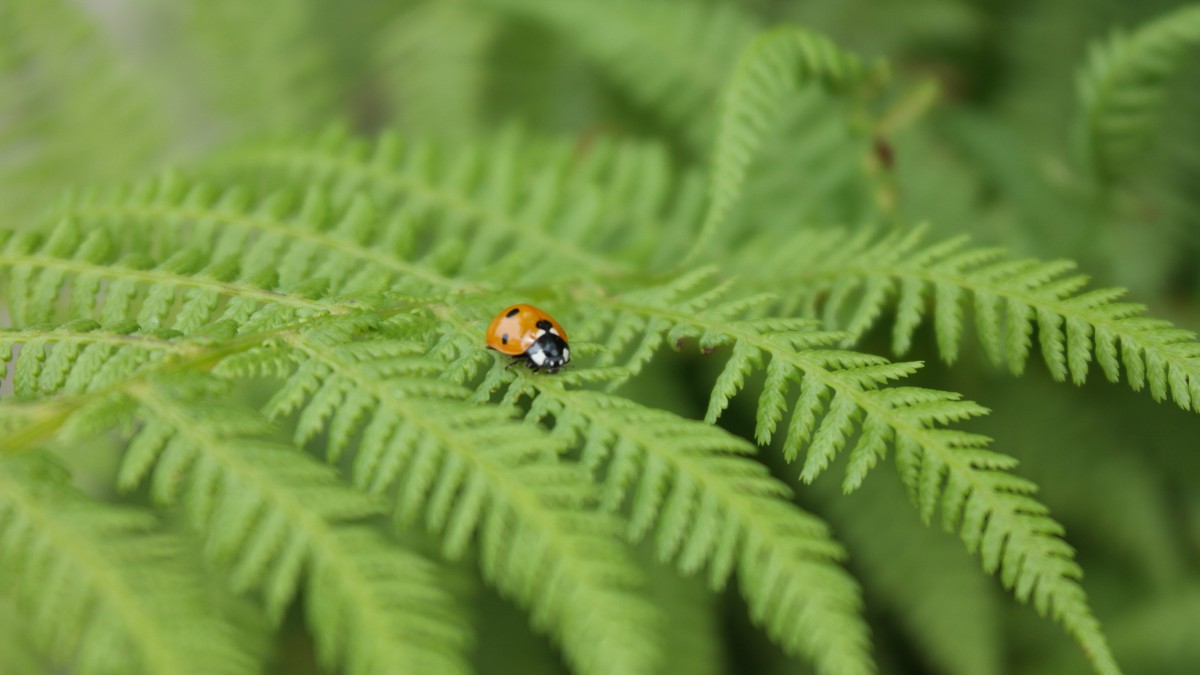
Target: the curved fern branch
(1123, 84)
(840, 399)
(100, 586)
(278, 518)
(711, 505)
(472, 471)
(1010, 297)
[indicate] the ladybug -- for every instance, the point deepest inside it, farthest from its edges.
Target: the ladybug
(526, 332)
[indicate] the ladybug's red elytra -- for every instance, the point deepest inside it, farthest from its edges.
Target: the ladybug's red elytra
(527, 333)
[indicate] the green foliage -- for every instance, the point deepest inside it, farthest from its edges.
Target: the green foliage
(768, 71)
(290, 86)
(932, 586)
(18, 655)
(672, 58)
(433, 56)
(472, 472)
(947, 470)
(245, 401)
(270, 514)
(1124, 84)
(103, 586)
(852, 279)
(713, 506)
(65, 96)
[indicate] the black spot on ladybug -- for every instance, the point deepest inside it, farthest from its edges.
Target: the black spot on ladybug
(544, 324)
(504, 339)
(513, 312)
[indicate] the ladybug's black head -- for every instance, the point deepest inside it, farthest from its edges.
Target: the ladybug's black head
(549, 352)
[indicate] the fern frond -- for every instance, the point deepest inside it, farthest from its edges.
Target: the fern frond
(841, 405)
(79, 356)
(1010, 297)
(670, 57)
(711, 505)
(185, 291)
(514, 207)
(101, 587)
(1123, 85)
(299, 234)
(281, 520)
(768, 72)
(472, 472)
(472, 193)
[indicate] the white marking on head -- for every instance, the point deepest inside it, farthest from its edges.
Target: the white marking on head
(538, 358)
(539, 334)
(566, 354)
(553, 331)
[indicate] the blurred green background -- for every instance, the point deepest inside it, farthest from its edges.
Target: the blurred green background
(978, 132)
